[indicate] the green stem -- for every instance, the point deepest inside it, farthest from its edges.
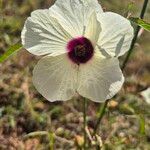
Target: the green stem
(101, 114)
(51, 140)
(84, 115)
(135, 36)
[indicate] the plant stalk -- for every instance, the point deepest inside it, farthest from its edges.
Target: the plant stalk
(135, 35)
(101, 114)
(84, 125)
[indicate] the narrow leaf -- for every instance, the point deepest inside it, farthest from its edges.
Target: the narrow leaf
(141, 23)
(142, 124)
(9, 52)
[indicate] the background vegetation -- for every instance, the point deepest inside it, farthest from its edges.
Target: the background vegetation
(126, 124)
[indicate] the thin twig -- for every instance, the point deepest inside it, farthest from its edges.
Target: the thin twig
(89, 134)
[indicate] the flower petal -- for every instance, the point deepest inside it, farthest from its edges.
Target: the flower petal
(55, 78)
(116, 35)
(73, 14)
(92, 30)
(146, 95)
(42, 34)
(100, 80)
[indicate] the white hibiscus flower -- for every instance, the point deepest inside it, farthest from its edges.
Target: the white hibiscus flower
(81, 44)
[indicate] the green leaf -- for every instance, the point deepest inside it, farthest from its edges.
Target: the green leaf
(141, 23)
(9, 52)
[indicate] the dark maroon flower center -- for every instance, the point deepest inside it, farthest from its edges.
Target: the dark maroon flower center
(80, 50)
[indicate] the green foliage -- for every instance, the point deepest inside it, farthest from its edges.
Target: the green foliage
(141, 23)
(9, 52)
